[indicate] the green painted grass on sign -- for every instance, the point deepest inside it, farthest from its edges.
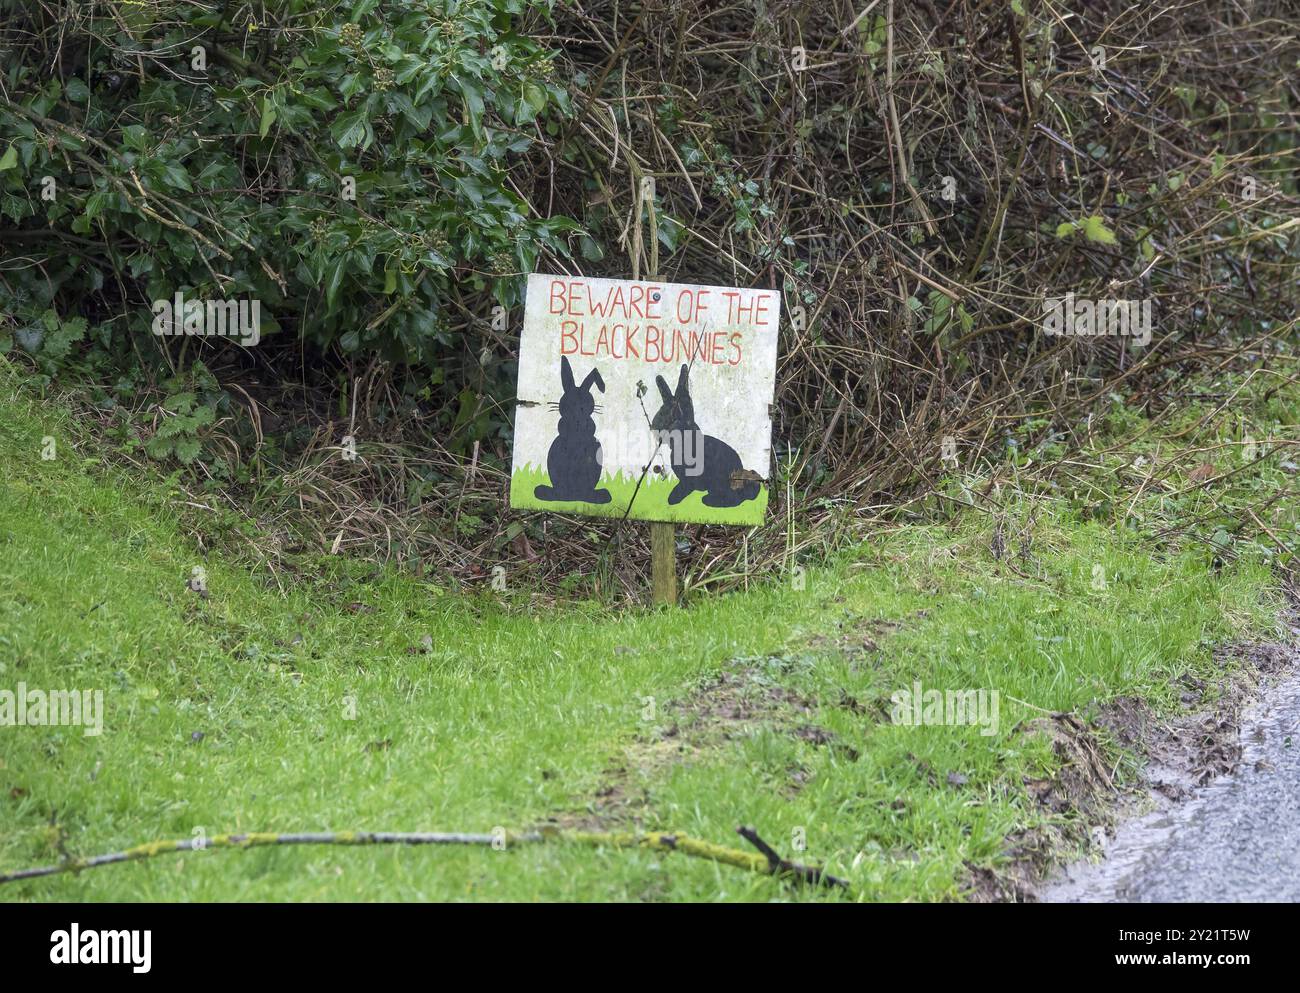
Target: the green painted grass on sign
(651, 500)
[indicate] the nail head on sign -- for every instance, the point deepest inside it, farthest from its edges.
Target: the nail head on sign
(655, 296)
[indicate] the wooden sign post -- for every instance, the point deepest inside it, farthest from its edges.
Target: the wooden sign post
(663, 563)
(648, 400)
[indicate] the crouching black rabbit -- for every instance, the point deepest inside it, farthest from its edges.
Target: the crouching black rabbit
(700, 461)
(573, 462)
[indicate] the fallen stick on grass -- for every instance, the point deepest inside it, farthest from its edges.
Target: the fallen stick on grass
(767, 863)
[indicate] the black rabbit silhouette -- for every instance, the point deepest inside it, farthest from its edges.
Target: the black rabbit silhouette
(700, 461)
(574, 459)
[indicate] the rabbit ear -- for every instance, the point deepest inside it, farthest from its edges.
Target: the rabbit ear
(682, 388)
(566, 373)
(664, 391)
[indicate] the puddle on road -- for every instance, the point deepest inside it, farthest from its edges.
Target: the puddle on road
(1235, 839)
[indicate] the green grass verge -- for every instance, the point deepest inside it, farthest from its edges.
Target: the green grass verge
(317, 707)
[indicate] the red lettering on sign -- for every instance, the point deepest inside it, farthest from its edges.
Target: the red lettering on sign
(735, 347)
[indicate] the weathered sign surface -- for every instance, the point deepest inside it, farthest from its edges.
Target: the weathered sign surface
(617, 374)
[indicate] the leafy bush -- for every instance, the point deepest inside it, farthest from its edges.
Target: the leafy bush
(344, 164)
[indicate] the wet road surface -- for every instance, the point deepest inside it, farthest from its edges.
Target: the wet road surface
(1236, 839)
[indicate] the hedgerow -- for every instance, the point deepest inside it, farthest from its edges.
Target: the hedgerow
(917, 178)
(344, 164)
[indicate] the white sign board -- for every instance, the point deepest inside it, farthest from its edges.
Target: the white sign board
(616, 375)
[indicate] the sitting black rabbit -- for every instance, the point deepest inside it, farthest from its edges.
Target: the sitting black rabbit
(574, 459)
(700, 461)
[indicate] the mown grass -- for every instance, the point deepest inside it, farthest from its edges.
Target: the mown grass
(232, 712)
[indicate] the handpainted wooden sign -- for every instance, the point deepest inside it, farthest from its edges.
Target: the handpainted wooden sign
(615, 375)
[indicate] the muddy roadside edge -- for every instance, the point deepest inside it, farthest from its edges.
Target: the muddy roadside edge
(1175, 755)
